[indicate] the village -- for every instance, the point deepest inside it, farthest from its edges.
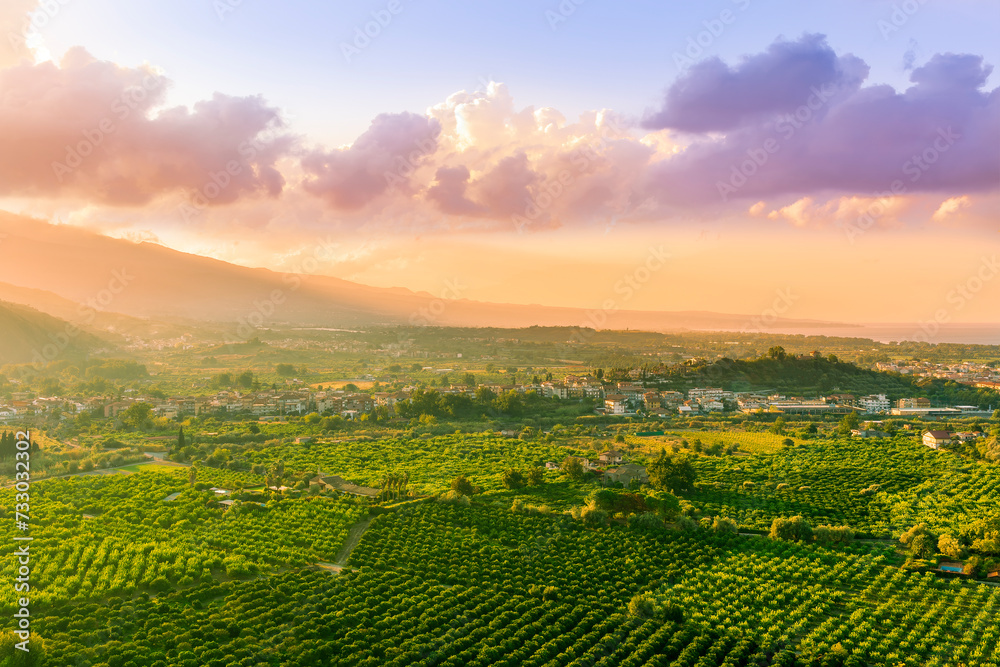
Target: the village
(623, 399)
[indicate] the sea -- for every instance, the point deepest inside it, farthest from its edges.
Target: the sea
(927, 332)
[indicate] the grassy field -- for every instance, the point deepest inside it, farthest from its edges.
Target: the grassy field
(751, 442)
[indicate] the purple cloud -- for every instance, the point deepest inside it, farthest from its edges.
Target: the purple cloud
(383, 157)
(941, 134)
(714, 96)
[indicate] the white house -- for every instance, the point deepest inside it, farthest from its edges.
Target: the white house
(935, 439)
(874, 403)
(615, 404)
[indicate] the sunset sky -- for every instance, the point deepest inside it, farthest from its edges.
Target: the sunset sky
(532, 152)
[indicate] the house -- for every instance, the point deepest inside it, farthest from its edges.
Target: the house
(869, 433)
(709, 393)
(914, 403)
(841, 399)
(671, 398)
(874, 403)
(615, 404)
(338, 483)
(612, 456)
(554, 390)
(625, 474)
(935, 439)
(551, 465)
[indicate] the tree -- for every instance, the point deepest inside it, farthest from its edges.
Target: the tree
(848, 423)
(642, 606)
(723, 524)
(950, 547)
(795, 529)
(462, 485)
(513, 479)
(534, 476)
(573, 468)
(285, 370)
(777, 353)
(138, 415)
(181, 443)
(921, 542)
(192, 475)
(666, 504)
(254, 428)
(671, 472)
(778, 427)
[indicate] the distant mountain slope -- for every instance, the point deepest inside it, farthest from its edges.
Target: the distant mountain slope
(114, 324)
(27, 335)
(149, 280)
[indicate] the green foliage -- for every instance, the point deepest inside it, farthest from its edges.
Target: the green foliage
(573, 468)
(794, 528)
(671, 472)
(138, 415)
(463, 486)
(513, 479)
(848, 423)
(920, 541)
(877, 487)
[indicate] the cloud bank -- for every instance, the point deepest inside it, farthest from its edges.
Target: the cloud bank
(793, 128)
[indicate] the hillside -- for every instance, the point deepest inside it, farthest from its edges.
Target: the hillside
(152, 281)
(819, 375)
(28, 335)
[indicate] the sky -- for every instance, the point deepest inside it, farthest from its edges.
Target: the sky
(846, 152)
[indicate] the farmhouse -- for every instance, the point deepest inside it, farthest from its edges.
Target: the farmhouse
(935, 439)
(626, 473)
(612, 456)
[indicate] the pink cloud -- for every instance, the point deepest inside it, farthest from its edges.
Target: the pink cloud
(382, 158)
(91, 129)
